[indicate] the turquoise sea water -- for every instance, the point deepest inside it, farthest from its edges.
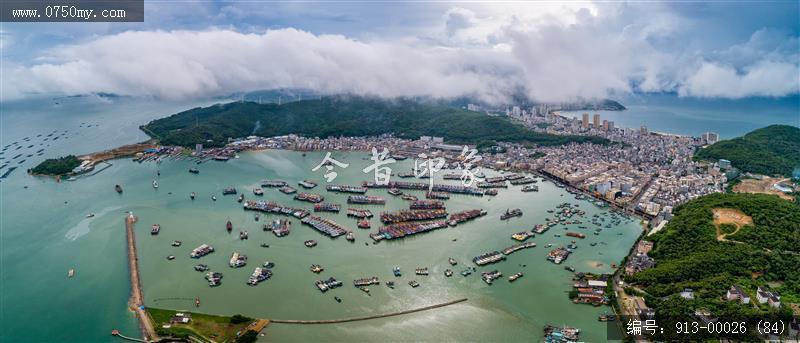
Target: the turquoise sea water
(45, 232)
(691, 116)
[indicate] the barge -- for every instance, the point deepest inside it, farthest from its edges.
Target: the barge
(201, 251)
(366, 200)
(327, 207)
(406, 215)
(488, 258)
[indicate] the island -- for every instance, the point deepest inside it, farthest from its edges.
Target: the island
(725, 256)
(771, 150)
(345, 115)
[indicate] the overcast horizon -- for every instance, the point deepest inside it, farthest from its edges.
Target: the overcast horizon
(488, 51)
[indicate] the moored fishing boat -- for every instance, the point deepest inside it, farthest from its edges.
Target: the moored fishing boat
(258, 191)
(118, 188)
(514, 277)
(155, 229)
(511, 214)
(363, 224)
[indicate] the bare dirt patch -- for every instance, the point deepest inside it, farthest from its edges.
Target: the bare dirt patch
(763, 186)
(123, 151)
(730, 216)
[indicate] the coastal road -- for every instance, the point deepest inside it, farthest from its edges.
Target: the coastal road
(136, 301)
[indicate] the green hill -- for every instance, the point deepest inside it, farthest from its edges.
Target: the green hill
(57, 166)
(688, 255)
(344, 116)
(772, 150)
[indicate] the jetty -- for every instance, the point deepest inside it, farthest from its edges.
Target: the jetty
(136, 301)
(355, 319)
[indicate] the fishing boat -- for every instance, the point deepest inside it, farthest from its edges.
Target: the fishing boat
(514, 277)
(511, 214)
(350, 237)
(171, 257)
(237, 260)
(338, 300)
(363, 224)
(192, 195)
(229, 191)
(201, 267)
(155, 184)
(310, 243)
(241, 198)
(315, 268)
(395, 191)
(413, 283)
(268, 264)
(155, 229)
(71, 272)
(258, 191)
(421, 271)
(194, 170)
(243, 235)
(214, 197)
(448, 272)
(396, 271)
(118, 188)
(229, 226)
(452, 261)
(90, 215)
(176, 243)
(390, 284)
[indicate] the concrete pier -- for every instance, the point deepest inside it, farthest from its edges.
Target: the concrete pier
(136, 301)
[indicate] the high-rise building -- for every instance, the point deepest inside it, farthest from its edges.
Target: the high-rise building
(596, 121)
(643, 130)
(710, 137)
(605, 125)
(611, 126)
(586, 120)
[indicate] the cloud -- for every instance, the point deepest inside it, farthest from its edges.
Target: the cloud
(547, 51)
(766, 78)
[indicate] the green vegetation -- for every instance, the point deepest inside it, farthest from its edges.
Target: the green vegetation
(247, 337)
(688, 255)
(344, 116)
(538, 155)
(772, 150)
(205, 326)
(57, 166)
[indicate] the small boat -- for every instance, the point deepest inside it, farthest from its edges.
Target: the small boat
(256, 216)
(171, 257)
(71, 272)
(155, 229)
(176, 243)
(242, 235)
(514, 277)
(258, 191)
(363, 224)
(390, 284)
(90, 215)
(118, 188)
(452, 261)
(201, 267)
(315, 268)
(196, 302)
(214, 197)
(350, 237)
(413, 283)
(364, 289)
(194, 171)
(310, 243)
(241, 198)
(395, 191)
(448, 272)
(155, 184)
(396, 271)
(192, 195)
(264, 245)
(338, 300)
(269, 264)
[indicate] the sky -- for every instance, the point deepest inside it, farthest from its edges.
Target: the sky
(548, 51)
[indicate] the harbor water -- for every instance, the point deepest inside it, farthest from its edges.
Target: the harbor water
(45, 232)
